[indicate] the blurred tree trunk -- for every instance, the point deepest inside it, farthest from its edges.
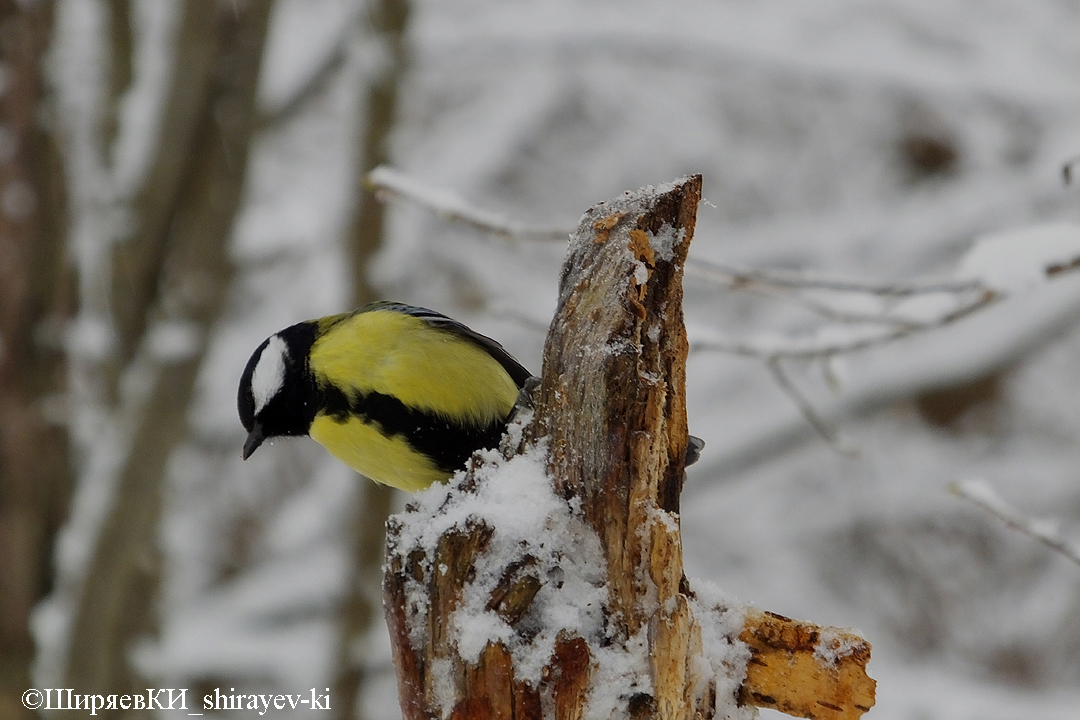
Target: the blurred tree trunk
(203, 66)
(361, 606)
(36, 297)
(171, 281)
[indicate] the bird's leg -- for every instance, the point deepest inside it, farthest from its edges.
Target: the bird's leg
(525, 400)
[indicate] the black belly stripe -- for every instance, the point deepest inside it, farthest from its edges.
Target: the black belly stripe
(447, 444)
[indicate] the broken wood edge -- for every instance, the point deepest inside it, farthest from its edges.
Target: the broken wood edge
(805, 670)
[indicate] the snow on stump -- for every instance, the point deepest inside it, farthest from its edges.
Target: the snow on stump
(546, 581)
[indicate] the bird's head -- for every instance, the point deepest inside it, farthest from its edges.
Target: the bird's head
(278, 395)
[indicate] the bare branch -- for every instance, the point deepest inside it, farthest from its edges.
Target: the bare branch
(816, 348)
(312, 88)
(390, 182)
(823, 427)
(386, 181)
(1045, 531)
(829, 312)
(735, 276)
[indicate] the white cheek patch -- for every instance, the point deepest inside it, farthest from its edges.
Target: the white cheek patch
(269, 374)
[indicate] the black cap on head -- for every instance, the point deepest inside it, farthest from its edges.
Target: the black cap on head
(245, 400)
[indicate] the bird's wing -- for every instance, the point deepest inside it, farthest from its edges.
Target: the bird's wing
(514, 369)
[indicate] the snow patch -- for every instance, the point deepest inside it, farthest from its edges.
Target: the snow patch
(835, 644)
(641, 273)
(531, 527)
(543, 535)
(663, 242)
(1021, 259)
(619, 672)
(725, 657)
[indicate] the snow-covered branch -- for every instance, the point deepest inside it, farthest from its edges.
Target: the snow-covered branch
(997, 266)
(1045, 531)
(736, 276)
(831, 341)
(387, 181)
(832, 312)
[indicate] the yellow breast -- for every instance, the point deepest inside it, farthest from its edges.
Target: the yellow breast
(388, 460)
(388, 352)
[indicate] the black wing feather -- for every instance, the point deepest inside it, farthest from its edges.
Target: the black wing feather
(514, 369)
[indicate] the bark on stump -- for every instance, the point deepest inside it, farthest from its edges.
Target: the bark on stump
(611, 411)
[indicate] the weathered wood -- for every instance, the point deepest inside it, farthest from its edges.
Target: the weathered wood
(805, 670)
(612, 405)
(611, 412)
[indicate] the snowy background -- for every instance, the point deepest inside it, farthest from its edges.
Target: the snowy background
(868, 140)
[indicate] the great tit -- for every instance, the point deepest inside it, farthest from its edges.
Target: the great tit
(402, 394)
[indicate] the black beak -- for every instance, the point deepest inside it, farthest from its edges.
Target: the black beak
(254, 440)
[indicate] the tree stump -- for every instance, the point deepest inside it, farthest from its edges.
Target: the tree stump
(547, 580)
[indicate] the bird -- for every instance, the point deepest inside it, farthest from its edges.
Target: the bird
(402, 394)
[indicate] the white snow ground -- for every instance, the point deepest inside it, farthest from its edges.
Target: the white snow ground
(795, 113)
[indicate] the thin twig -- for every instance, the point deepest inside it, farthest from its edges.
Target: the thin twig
(823, 427)
(793, 349)
(388, 181)
(1045, 531)
(312, 88)
(732, 275)
(828, 311)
